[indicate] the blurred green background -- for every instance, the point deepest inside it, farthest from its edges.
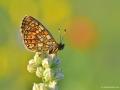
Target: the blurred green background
(91, 58)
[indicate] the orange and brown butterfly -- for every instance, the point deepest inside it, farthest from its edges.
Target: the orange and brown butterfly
(37, 38)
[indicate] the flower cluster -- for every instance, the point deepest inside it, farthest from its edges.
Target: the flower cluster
(48, 69)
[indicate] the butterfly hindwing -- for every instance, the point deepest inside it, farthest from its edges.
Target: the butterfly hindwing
(37, 37)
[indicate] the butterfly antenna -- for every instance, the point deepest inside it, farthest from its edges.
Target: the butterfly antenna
(60, 35)
(63, 35)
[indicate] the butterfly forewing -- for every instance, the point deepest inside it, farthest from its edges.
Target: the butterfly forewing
(37, 37)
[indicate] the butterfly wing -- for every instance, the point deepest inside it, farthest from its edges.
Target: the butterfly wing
(37, 37)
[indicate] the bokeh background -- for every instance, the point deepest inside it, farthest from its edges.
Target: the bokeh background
(91, 58)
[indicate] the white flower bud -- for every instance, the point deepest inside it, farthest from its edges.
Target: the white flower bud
(31, 67)
(51, 56)
(40, 86)
(48, 74)
(56, 62)
(37, 58)
(59, 76)
(45, 63)
(39, 72)
(53, 85)
(47, 68)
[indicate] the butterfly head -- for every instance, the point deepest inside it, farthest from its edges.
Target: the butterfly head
(61, 46)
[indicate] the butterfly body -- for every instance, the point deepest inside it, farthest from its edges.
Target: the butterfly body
(37, 38)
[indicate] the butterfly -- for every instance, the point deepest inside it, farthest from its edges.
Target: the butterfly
(37, 38)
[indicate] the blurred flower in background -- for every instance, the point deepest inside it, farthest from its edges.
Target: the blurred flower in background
(82, 33)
